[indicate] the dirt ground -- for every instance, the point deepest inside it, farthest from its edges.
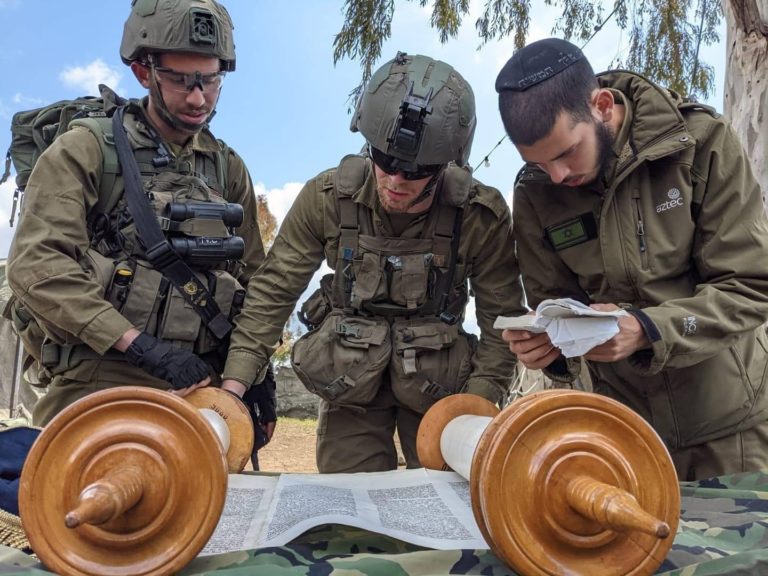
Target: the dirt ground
(292, 448)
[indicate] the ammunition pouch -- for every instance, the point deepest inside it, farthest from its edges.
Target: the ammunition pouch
(393, 273)
(430, 360)
(343, 360)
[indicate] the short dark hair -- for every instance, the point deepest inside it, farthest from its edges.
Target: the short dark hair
(529, 115)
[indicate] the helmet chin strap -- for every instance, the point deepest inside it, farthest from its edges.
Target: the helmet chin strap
(428, 189)
(162, 109)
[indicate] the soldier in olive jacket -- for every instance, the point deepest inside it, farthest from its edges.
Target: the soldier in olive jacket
(633, 197)
(92, 307)
(404, 227)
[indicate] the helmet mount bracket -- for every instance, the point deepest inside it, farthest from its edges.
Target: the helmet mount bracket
(410, 124)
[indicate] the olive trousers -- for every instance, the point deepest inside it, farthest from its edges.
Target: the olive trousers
(362, 439)
(745, 451)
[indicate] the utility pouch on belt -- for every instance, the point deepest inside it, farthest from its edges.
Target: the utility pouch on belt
(315, 308)
(430, 360)
(343, 359)
(32, 338)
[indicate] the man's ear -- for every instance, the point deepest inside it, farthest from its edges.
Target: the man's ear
(603, 104)
(141, 72)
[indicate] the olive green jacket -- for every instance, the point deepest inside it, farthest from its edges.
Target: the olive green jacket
(678, 232)
(44, 264)
(310, 234)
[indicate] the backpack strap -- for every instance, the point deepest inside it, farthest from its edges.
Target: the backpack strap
(7, 171)
(109, 190)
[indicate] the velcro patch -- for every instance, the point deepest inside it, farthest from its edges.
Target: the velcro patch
(572, 232)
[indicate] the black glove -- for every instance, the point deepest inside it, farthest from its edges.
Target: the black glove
(260, 400)
(180, 368)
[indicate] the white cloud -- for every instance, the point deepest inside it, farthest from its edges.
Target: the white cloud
(87, 78)
(25, 101)
(279, 200)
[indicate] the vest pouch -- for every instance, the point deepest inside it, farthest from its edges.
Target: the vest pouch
(147, 290)
(343, 360)
(410, 278)
(179, 323)
(430, 360)
(370, 283)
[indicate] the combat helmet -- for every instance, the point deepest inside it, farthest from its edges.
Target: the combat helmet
(197, 26)
(418, 110)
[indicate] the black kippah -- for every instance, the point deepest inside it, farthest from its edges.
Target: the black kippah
(537, 62)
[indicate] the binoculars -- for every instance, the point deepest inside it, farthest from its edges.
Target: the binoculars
(202, 250)
(229, 213)
(207, 250)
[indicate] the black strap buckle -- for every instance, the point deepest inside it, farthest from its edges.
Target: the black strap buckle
(336, 388)
(161, 255)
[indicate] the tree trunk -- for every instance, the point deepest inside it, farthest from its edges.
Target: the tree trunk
(746, 81)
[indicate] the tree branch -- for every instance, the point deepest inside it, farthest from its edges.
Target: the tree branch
(748, 17)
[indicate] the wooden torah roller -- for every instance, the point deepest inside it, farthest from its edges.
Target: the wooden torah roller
(131, 480)
(561, 481)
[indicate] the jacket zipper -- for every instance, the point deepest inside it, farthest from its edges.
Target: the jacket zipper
(640, 230)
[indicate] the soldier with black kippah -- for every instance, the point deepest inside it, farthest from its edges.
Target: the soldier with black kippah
(635, 197)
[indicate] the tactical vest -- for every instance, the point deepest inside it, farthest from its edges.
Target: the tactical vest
(392, 303)
(117, 261)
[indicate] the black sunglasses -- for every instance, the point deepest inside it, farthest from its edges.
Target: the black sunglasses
(392, 166)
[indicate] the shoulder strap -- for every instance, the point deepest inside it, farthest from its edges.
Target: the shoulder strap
(223, 167)
(348, 178)
(450, 217)
(109, 190)
(445, 285)
(159, 251)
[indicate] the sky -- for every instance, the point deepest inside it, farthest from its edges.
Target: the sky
(286, 107)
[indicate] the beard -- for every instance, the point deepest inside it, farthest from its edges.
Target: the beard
(605, 153)
(158, 103)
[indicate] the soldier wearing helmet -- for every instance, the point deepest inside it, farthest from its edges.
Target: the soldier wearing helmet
(97, 303)
(406, 229)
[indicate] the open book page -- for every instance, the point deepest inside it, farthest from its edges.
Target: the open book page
(245, 513)
(527, 322)
(573, 327)
(570, 308)
(425, 507)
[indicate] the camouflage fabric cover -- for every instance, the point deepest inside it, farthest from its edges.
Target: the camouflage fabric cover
(724, 530)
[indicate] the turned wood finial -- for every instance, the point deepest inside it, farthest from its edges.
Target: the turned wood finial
(131, 481)
(561, 481)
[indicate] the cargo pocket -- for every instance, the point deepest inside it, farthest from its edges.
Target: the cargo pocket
(430, 360)
(180, 322)
(343, 360)
(144, 296)
(409, 279)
